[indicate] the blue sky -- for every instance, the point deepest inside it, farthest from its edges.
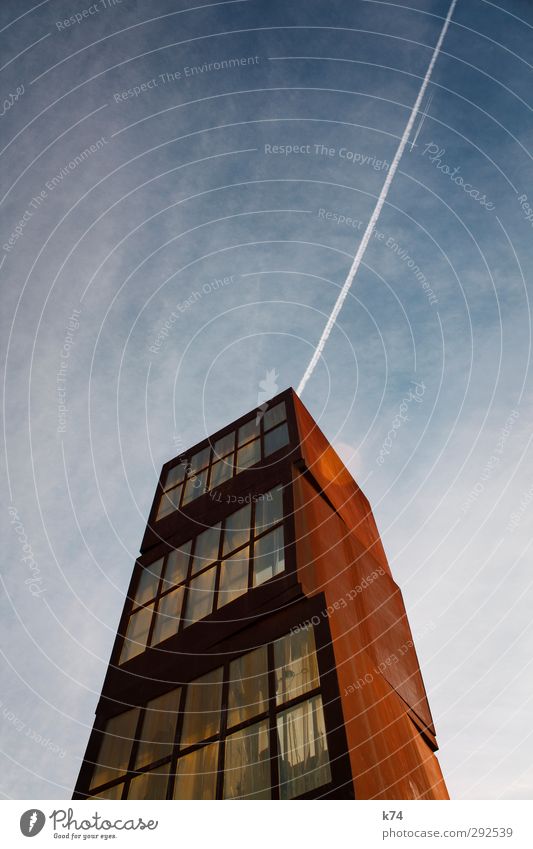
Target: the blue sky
(192, 183)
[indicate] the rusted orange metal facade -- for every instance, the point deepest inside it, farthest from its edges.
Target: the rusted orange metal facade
(389, 728)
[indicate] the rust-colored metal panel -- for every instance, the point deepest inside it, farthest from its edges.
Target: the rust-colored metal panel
(382, 692)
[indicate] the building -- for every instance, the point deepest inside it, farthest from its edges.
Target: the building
(264, 649)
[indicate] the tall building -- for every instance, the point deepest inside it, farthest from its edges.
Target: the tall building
(264, 650)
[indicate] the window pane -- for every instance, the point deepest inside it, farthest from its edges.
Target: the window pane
(268, 509)
(237, 529)
(221, 471)
(206, 548)
(200, 460)
(114, 792)
(274, 416)
(176, 567)
(150, 785)
(248, 686)
(249, 455)
(233, 576)
(247, 764)
(115, 748)
(175, 475)
(170, 501)
(200, 597)
(276, 439)
(249, 431)
(202, 708)
(167, 618)
(296, 665)
(269, 556)
(195, 486)
(158, 728)
(224, 445)
(148, 582)
(136, 633)
(303, 749)
(196, 775)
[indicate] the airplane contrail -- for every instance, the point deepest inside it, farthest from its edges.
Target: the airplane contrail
(422, 119)
(377, 209)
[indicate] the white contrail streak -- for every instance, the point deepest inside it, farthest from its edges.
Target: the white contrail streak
(377, 209)
(422, 119)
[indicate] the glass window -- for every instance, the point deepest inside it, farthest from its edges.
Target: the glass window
(237, 529)
(150, 785)
(268, 509)
(303, 749)
(114, 792)
(221, 471)
(269, 556)
(170, 501)
(200, 597)
(233, 576)
(195, 486)
(175, 475)
(136, 633)
(167, 618)
(249, 431)
(276, 439)
(224, 445)
(248, 686)
(274, 416)
(249, 455)
(296, 665)
(158, 728)
(176, 566)
(206, 548)
(148, 582)
(115, 748)
(200, 460)
(196, 774)
(202, 708)
(247, 764)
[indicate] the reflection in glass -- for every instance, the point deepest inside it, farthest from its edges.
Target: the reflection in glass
(196, 774)
(148, 582)
(233, 576)
(269, 556)
(303, 749)
(170, 501)
(206, 548)
(200, 460)
(202, 708)
(268, 509)
(114, 792)
(249, 431)
(136, 633)
(150, 785)
(224, 445)
(115, 748)
(237, 529)
(175, 475)
(200, 597)
(177, 563)
(167, 618)
(296, 665)
(247, 764)
(158, 728)
(221, 471)
(249, 455)
(274, 416)
(248, 686)
(276, 439)
(195, 486)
